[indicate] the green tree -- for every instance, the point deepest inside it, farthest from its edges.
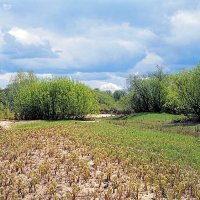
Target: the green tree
(187, 86)
(106, 101)
(118, 94)
(58, 98)
(149, 91)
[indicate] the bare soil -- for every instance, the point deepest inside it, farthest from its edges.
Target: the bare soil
(6, 124)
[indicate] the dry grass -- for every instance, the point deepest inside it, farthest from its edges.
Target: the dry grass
(57, 163)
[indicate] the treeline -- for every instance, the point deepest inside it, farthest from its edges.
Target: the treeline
(172, 93)
(61, 98)
(27, 97)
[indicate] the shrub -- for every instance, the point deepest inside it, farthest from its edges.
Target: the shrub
(59, 98)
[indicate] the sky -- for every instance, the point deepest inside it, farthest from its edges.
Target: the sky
(98, 42)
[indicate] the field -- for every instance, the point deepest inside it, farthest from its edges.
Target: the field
(143, 156)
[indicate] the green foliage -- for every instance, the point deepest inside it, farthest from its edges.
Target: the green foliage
(5, 112)
(175, 93)
(106, 101)
(61, 98)
(125, 103)
(118, 94)
(58, 98)
(18, 82)
(173, 102)
(187, 87)
(149, 92)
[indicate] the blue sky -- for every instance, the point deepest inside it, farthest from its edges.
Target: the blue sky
(98, 42)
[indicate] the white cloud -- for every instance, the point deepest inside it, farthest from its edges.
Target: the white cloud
(44, 76)
(109, 86)
(147, 64)
(98, 44)
(103, 80)
(103, 85)
(185, 27)
(5, 78)
(124, 31)
(22, 44)
(26, 37)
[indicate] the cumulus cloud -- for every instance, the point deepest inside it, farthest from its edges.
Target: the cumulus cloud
(87, 76)
(109, 86)
(103, 42)
(26, 37)
(103, 80)
(100, 44)
(185, 27)
(103, 85)
(147, 64)
(18, 43)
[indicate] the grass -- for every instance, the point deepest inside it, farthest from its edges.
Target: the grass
(158, 122)
(146, 149)
(40, 123)
(155, 116)
(141, 135)
(184, 149)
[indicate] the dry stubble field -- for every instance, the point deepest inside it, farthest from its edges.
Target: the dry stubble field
(72, 160)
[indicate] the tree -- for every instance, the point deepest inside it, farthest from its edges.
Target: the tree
(149, 91)
(58, 98)
(158, 89)
(106, 101)
(118, 94)
(125, 104)
(187, 86)
(17, 83)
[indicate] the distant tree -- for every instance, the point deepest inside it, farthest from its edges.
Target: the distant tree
(105, 100)
(118, 94)
(108, 92)
(125, 103)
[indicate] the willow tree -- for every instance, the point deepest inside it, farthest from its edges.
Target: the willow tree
(58, 98)
(187, 84)
(149, 92)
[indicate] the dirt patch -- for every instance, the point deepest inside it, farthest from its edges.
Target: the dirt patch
(100, 115)
(6, 124)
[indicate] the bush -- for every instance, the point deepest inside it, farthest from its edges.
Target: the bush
(59, 98)
(149, 92)
(187, 84)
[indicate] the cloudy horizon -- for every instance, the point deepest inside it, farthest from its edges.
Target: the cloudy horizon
(97, 42)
